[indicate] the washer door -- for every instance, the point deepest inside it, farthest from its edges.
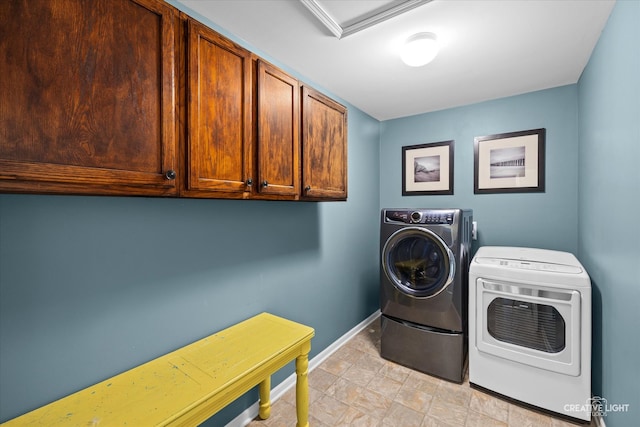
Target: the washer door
(418, 262)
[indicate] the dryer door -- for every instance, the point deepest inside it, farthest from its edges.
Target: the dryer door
(418, 262)
(530, 324)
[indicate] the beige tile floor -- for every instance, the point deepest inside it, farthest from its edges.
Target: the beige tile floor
(356, 387)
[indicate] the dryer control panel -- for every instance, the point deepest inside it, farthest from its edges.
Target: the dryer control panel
(529, 265)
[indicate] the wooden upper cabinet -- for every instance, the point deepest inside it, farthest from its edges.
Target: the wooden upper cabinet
(130, 97)
(324, 147)
(219, 139)
(87, 97)
(278, 142)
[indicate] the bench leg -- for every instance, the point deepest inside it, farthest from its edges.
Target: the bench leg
(302, 389)
(265, 398)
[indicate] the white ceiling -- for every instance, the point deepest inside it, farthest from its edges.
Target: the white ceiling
(489, 49)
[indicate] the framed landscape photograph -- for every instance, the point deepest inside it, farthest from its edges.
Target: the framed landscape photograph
(427, 169)
(509, 162)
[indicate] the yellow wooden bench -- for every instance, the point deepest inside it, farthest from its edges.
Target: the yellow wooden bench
(189, 385)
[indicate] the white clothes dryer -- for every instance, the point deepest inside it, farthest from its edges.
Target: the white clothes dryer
(530, 328)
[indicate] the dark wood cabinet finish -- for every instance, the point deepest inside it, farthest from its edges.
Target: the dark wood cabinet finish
(324, 147)
(87, 97)
(132, 97)
(278, 142)
(219, 135)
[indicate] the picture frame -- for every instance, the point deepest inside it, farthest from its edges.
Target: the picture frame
(427, 169)
(511, 162)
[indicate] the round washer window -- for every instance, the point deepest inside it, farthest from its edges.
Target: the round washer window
(418, 262)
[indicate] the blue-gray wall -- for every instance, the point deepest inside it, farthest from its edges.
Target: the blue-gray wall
(92, 286)
(609, 206)
(548, 219)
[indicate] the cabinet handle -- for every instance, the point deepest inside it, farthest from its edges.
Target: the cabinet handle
(265, 183)
(170, 174)
(249, 182)
(307, 188)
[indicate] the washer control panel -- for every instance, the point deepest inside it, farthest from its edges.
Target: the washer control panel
(420, 216)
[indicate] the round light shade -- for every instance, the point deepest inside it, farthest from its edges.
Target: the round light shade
(419, 49)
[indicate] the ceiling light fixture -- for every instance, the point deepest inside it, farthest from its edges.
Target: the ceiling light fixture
(419, 49)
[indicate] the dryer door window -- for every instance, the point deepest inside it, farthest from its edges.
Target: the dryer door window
(537, 326)
(418, 262)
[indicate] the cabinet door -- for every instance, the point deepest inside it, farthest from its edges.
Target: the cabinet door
(324, 147)
(278, 132)
(87, 97)
(219, 151)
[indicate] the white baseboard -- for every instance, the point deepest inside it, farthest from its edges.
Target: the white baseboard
(278, 391)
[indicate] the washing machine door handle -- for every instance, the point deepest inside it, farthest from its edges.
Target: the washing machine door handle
(452, 266)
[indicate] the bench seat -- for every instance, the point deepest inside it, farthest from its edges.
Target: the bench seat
(189, 385)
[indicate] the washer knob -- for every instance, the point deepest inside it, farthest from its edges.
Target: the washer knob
(416, 216)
